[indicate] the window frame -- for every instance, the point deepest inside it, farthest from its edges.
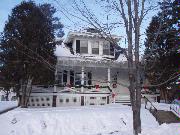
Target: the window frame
(83, 46)
(93, 46)
(75, 78)
(105, 43)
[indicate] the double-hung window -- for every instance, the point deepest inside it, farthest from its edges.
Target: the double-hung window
(78, 78)
(106, 48)
(95, 47)
(83, 46)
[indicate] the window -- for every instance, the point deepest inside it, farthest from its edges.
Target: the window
(75, 100)
(92, 97)
(106, 48)
(78, 79)
(62, 77)
(59, 78)
(77, 46)
(61, 100)
(67, 100)
(71, 78)
(104, 98)
(89, 78)
(95, 47)
(83, 46)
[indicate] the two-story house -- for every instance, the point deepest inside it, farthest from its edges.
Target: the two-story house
(87, 73)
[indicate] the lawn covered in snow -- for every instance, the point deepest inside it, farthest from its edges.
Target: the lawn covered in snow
(114, 119)
(4, 105)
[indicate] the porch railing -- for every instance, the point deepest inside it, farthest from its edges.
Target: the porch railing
(151, 108)
(175, 107)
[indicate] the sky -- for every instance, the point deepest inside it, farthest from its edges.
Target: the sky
(65, 7)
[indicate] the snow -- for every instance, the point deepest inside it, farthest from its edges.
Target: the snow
(162, 106)
(62, 50)
(121, 58)
(159, 106)
(112, 119)
(4, 105)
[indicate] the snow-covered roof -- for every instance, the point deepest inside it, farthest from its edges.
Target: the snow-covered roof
(62, 50)
(121, 58)
(71, 35)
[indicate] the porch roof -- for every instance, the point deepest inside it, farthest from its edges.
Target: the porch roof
(89, 62)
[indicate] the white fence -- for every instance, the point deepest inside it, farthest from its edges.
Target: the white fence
(175, 107)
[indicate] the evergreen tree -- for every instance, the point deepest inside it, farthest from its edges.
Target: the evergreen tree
(28, 43)
(161, 53)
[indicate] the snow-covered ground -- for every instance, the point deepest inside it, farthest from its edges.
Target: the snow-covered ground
(159, 106)
(114, 119)
(162, 106)
(4, 105)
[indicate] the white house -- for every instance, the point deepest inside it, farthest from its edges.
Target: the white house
(87, 73)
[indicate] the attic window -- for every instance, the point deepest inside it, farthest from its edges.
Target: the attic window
(83, 46)
(95, 47)
(106, 48)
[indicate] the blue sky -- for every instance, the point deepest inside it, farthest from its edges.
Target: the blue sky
(71, 23)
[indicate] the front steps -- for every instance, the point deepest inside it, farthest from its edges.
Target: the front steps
(124, 99)
(166, 117)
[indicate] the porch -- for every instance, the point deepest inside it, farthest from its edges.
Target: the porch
(88, 74)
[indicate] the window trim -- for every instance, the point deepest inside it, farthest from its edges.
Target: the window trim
(83, 47)
(93, 46)
(105, 48)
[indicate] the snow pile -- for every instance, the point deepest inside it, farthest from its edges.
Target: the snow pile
(121, 58)
(162, 106)
(4, 105)
(164, 129)
(62, 50)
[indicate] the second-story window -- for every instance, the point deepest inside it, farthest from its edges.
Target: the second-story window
(106, 48)
(83, 46)
(95, 47)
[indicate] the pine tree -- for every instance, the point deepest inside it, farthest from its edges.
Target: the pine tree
(28, 43)
(161, 55)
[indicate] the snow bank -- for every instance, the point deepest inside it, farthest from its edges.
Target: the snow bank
(121, 58)
(62, 50)
(164, 129)
(4, 105)
(162, 106)
(87, 120)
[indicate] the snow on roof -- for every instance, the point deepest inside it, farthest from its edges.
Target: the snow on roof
(88, 34)
(121, 58)
(62, 50)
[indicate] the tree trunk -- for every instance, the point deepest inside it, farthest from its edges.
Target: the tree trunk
(26, 90)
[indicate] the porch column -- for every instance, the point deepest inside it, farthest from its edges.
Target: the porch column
(109, 76)
(82, 79)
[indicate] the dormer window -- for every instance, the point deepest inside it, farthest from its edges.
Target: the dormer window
(81, 46)
(95, 47)
(106, 48)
